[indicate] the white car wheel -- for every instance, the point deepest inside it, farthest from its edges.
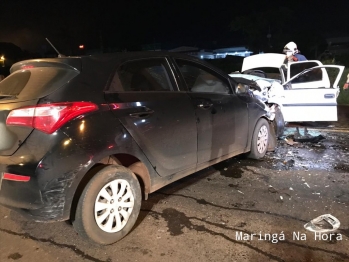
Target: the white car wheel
(114, 205)
(109, 205)
(262, 142)
(260, 139)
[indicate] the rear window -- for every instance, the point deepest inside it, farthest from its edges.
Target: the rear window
(14, 84)
(34, 83)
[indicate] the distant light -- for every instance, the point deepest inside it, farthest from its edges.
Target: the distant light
(81, 46)
(202, 56)
(2, 59)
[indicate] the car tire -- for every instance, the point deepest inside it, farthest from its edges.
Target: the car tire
(279, 122)
(102, 218)
(260, 139)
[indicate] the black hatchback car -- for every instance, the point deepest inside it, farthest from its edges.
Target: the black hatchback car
(86, 138)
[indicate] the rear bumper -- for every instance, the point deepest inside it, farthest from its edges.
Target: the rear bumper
(20, 194)
(54, 169)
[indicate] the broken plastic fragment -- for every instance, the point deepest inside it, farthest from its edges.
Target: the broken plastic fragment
(271, 189)
(315, 139)
(306, 184)
(323, 224)
(290, 141)
(289, 163)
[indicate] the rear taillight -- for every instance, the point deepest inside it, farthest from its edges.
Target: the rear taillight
(14, 177)
(48, 117)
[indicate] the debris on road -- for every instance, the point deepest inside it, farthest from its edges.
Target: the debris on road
(272, 190)
(306, 184)
(290, 141)
(289, 153)
(289, 163)
(314, 139)
(323, 224)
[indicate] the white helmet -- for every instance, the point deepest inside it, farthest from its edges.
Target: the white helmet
(291, 47)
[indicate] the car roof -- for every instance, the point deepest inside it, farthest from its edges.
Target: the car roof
(107, 59)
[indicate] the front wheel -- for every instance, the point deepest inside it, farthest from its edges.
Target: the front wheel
(260, 139)
(109, 205)
(279, 123)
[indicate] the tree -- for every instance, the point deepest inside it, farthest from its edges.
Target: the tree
(266, 30)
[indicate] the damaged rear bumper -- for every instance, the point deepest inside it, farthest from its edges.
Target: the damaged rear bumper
(24, 195)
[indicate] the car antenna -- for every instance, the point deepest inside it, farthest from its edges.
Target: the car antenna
(59, 54)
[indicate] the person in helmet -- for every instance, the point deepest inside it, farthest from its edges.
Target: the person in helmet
(292, 53)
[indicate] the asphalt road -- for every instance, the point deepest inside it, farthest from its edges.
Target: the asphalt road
(210, 215)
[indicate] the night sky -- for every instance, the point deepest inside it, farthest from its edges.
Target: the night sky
(131, 24)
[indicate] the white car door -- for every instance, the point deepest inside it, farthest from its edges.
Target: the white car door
(312, 79)
(311, 98)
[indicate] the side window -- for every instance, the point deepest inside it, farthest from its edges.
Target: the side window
(142, 75)
(313, 75)
(200, 79)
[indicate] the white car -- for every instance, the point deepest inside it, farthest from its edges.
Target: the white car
(295, 92)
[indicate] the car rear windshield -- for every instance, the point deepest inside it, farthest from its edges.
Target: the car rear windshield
(34, 83)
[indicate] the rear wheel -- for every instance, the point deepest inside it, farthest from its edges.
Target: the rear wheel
(109, 205)
(260, 139)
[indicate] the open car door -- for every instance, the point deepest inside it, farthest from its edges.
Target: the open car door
(310, 97)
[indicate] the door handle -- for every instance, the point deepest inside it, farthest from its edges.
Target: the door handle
(329, 95)
(205, 106)
(142, 114)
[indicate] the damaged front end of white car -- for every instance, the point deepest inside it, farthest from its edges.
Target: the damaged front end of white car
(268, 91)
(302, 91)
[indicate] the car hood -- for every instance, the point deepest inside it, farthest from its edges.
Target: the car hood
(263, 60)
